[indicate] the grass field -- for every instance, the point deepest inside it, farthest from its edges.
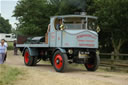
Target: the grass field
(8, 74)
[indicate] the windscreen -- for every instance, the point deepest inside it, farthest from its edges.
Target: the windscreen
(74, 23)
(80, 23)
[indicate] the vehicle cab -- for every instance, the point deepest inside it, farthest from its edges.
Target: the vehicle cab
(76, 31)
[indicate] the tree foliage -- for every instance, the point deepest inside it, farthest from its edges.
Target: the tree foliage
(68, 6)
(113, 18)
(5, 26)
(34, 16)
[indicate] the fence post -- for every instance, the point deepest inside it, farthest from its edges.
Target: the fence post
(112, 66)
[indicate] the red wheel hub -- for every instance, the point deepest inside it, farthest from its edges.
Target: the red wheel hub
(58, 61)
(90, 65)
(26, 57)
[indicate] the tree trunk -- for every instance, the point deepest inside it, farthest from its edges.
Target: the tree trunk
(117, 46)
(116, 52)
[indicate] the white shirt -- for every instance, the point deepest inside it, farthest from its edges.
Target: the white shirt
(2, 49)
(6, 45)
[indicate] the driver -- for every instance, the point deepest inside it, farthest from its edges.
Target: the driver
(59, 26)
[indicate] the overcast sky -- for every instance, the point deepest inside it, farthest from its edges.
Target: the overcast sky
(6, 10)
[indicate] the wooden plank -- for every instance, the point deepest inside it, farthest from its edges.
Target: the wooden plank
(111, 54)
(116, 64)
(117, 61)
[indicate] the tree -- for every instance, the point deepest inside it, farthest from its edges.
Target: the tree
(33, 16)
(5, 26)
(71, 6)
(90, 7)
(68, 6)
(113, 19)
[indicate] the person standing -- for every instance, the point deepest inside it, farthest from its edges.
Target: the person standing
(2, 51)
(15, 48)
(5, 43)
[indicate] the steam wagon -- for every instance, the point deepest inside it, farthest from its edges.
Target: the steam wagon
(69, 39)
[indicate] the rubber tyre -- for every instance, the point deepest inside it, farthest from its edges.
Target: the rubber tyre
(28, 60)
(34, 62)
(63, 61)
(93, 62)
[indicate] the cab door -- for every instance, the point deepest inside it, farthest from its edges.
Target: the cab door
(58, 38)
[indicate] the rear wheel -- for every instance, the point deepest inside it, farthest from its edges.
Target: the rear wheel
(60, 61)
(29, 60)
(34, 61)
(93, 62)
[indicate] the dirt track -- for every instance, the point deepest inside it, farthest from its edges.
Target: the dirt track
(44, 74)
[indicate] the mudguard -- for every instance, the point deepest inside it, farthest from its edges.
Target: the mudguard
(32, 51)
(60, 49)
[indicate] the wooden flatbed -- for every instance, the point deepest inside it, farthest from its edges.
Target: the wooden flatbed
(32, 45)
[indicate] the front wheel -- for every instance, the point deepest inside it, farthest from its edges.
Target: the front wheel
(60, 61)
(93, 62)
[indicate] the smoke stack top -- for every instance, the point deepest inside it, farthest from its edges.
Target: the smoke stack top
(83, 13)
(80, 4)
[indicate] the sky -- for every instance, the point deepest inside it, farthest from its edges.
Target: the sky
(6, 10)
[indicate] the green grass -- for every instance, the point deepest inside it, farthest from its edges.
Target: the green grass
(10, 45)
(8, 74)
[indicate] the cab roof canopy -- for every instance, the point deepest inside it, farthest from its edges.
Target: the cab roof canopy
(68, 16)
